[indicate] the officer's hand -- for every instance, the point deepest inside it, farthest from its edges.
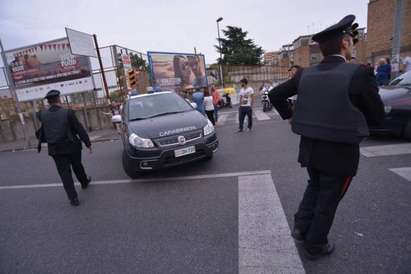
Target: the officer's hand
(90, 149)
(290, 120)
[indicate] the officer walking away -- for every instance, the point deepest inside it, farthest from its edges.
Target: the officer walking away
(246, 104)
(62, 131)
(336, 101)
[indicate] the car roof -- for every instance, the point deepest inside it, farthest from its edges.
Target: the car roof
(150, 94)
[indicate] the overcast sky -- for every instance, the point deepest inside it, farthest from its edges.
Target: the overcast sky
(174, 25)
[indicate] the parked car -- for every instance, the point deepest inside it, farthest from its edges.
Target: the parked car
(161, 130)
(397, 100)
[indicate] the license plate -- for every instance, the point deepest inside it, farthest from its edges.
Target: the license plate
(184, 151)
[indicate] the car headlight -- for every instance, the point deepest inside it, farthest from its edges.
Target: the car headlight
(387, 109)
(138, 142)
(209, 128)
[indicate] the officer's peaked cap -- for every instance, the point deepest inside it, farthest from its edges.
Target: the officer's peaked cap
(345, 26)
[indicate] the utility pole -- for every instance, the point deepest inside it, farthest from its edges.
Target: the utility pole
(396, 41)
(221, 56)
(12, 89)
(103, 76)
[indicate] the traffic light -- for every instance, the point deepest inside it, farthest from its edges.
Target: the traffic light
(132, 79)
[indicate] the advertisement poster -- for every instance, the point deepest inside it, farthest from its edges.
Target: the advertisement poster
(177, 71)
(39, 68)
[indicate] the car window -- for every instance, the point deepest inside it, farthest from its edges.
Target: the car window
(402, 80)
(148, 106)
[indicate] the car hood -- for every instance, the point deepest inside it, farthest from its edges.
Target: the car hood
(167, 125)
(396, 96)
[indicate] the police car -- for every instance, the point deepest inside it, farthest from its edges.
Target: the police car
(161, 130)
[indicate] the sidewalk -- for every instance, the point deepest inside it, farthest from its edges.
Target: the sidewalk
(95, 136)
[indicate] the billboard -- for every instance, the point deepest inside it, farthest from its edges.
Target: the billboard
(177, 71)
(50, 65)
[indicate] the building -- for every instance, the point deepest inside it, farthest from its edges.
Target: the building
(381, 28)
(306, 52)
(286, 56)
(272, 58)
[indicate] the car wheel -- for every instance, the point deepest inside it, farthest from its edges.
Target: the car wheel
(210, 157)
(407, 131)
(128, 168)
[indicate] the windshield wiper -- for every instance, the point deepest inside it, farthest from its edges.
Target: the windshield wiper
(165, 113)
(136, 119)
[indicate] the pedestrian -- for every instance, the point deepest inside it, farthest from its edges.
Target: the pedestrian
(383, 73)
(198, 98)
(406, 64)
(293, 70)
(209, 106)
(246, 104)
(331, 129)
(216, 101)
(389, 68)
(63, 133)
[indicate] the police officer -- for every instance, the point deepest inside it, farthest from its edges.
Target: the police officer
(336, 101)
(62, 131)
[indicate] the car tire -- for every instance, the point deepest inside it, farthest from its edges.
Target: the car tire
(407, 131)
(127, 166)
(210, 157)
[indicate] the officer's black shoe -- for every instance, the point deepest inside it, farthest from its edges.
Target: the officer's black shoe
(84, 186)
(318, 252)
(298, 236)
(75, 202)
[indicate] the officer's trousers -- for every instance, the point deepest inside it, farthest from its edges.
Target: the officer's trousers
(316, 212)
(64, 163)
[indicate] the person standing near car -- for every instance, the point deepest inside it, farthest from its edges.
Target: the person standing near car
(209, 106)
(63, 133)
(216, 101)
(336, 101)
(246, 105)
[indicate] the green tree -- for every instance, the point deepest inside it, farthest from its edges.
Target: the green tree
(138, 62)
(237, 49)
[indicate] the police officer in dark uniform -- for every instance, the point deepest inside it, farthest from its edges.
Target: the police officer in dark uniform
(62, 131)
(336, 103)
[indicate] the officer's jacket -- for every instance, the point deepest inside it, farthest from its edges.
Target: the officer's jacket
(62, 130)
(334, 157)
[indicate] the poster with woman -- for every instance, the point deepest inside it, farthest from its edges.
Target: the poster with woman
(177, 71)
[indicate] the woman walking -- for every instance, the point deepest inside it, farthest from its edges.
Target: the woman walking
(209, 106)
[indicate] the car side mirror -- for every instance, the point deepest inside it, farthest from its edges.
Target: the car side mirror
(194, 105)
(116, 119)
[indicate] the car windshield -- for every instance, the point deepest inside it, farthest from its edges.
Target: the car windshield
(156, 105)
(402, 80)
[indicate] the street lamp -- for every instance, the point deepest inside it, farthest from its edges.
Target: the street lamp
(219, 44)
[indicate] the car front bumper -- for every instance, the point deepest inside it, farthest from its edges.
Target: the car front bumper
(158, 158)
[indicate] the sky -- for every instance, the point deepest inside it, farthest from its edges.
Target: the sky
(172, 26)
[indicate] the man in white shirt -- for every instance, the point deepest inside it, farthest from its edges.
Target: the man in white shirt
(246, 104)
(407, 63)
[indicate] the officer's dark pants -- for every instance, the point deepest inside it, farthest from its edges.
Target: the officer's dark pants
(64, 163)
(317, 209)
(245, 111)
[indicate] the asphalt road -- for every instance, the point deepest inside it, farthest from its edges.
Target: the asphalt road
(191, 225)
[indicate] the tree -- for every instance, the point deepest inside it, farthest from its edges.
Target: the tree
(138, 62)
(237, 49)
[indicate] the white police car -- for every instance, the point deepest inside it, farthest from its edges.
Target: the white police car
(161, 130)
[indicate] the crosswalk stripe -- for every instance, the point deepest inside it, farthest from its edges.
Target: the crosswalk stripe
(386, 150)
(265, 244)
(222, 118)
(261, 116)
(404, 172)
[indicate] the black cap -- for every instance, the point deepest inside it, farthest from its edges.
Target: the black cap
(244, 80)
(345, 26)
(52, 93)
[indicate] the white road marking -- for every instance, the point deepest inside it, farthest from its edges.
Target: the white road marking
(386, 150)
(265, 244)
(404, 172)
(261, 116)
(222, 118)
(93, 138)
(129, 181)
